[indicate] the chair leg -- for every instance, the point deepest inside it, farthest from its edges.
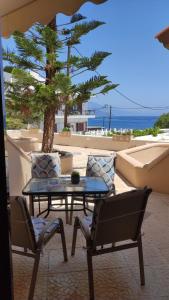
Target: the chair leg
(48, 208)
(90, 276)
(84, 205)
(141, 261)
(34, 276)
(76, 226)
(63, 240)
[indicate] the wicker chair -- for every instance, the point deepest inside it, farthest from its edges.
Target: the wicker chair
(115, 219)
(32, 234)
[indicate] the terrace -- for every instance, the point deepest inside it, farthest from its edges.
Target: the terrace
(116, 275)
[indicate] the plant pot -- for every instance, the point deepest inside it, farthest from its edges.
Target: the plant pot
(65, 134)
(75, 179)
(122, 137)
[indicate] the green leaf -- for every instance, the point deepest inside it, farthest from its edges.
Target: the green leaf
(82, 29)
(77, 18)
(108, 88)
(92, 62)
(27, 47)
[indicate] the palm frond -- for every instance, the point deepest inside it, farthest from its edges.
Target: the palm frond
(27, 47)
(77, 18)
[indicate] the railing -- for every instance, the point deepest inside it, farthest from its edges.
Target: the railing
(83, 112)
(105, 132)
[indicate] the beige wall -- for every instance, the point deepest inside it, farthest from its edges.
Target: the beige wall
(141, 172)
(103, 143)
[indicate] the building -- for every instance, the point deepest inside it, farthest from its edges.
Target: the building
(77, 118)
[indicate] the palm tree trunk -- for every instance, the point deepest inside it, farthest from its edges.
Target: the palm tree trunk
(65, 115)
(49, 115)
(49, 125)
(66, 111)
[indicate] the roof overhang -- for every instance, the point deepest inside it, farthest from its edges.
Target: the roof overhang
(163, 37)
(21, 14)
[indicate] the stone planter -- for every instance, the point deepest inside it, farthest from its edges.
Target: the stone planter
(65, 133)
(122, 137)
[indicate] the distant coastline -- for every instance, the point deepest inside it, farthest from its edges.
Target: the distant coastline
(124, 122)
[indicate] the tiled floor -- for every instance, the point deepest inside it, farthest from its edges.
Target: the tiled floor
(116, 275)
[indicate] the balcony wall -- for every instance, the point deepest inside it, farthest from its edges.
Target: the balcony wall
(146, 165)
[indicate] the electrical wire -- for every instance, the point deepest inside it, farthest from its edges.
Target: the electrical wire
(128, 98)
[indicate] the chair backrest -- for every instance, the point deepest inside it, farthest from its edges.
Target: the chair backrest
(22, 232)
(118, 218)
(46, 165)
(104, 166)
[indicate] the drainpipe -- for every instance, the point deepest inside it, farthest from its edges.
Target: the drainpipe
(6, 285)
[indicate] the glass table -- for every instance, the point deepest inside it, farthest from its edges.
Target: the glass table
(62, 186)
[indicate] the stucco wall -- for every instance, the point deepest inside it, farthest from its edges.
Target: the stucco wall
(145, 172)
(95, 142)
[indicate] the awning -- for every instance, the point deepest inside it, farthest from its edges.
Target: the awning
(21, 14)
(163, 37)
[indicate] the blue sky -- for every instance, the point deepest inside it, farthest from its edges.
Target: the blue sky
(139, 63)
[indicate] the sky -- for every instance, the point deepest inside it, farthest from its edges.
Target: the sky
(139, 63)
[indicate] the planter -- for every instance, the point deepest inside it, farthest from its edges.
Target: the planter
(122, 137)
(65, 133)
(34, 130)
(75, 178)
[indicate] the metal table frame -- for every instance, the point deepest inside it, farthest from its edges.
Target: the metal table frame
(62, 186)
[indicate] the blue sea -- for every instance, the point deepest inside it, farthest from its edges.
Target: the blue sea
(124, 122)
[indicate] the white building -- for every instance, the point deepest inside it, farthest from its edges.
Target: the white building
(77, 119)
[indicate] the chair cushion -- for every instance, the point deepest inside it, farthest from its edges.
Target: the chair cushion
(102, 166)
(38, 226)
(45, 165)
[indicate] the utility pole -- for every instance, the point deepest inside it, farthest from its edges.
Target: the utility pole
(103, 121)
(110, 114)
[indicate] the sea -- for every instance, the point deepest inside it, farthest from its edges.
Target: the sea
(124, 122)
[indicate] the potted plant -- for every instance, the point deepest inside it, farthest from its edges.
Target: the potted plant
(65, 132)
(75, 177)
(125, 136)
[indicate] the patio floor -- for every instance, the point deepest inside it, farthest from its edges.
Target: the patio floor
(116, 275)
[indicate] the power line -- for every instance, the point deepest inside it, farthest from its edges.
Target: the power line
(137, 103)
(128, 98)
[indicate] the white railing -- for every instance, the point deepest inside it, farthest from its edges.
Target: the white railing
(104, 132)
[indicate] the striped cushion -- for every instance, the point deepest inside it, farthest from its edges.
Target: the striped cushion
(45, 165)
(102, 166)
(40, 223)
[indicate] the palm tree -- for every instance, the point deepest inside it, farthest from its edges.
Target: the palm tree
(43, 83)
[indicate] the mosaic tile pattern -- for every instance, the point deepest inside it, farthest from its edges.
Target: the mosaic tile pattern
(116, 275)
